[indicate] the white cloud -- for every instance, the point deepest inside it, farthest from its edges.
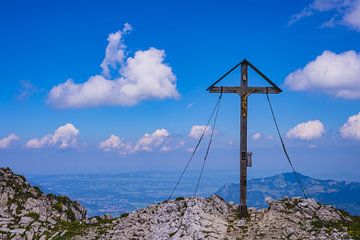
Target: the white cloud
(256, 136)
(152, 141)
(197, 130)
(115, 142)
(352, 17)
(114, 53)
(344, 12)
(156, 141)
(8, 140)
(141, 77)
(351, 129)
(307, 130)
(335, 74)
(64, 137)
(165, 149)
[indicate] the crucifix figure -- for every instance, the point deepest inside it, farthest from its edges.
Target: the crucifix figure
(244, 91)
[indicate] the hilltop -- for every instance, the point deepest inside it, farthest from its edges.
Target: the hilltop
(27, 213)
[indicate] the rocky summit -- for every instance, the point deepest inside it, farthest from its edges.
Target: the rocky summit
(26, 213)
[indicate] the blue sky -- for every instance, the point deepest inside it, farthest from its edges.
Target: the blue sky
(181, 47)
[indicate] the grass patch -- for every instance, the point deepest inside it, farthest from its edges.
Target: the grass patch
(58, 206)
(38, 190)
(73, 229)
(33, 215)
(353, 227)
(70, 215)
(124, 215)
(77, 228)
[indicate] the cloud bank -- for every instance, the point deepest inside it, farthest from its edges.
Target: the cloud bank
(351, 129)
(156, 141)
(345, 12)
(307, 130)
(8, 140)
(140, 77)
(334, 74)
(64, 137)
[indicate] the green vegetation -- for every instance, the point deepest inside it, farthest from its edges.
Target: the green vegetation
(70, 215)
(72, 229)
(76, 228)
(37, 189)
(353, 227)
(33, 215)
(179, 198)
(51, 195)
(124, 215)
(58, 206)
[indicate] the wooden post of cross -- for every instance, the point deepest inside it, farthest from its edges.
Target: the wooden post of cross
(244, 91)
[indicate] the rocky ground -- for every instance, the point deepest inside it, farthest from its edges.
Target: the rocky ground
(26, 213)
(213, 218)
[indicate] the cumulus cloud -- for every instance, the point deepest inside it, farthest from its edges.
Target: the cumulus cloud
(351, 129)
(197, 130)
(8, 140)
(344, 12)
(140, 77)
(256, 136)
(307, 130)
(115, 142)
(158, 140)
(64, 137)
(115, 50)
(152, 141)
(335, 74)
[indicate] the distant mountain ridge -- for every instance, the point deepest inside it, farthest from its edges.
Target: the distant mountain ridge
(342, 194)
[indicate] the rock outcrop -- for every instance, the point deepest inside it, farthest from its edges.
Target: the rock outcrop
(26, 213)
(213, 218)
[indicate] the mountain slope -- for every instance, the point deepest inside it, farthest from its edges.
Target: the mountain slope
(341, 194)
(26, 211)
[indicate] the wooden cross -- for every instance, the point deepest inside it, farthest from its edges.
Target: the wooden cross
(244, 91)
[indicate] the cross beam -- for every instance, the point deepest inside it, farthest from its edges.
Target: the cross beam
(244, 91)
